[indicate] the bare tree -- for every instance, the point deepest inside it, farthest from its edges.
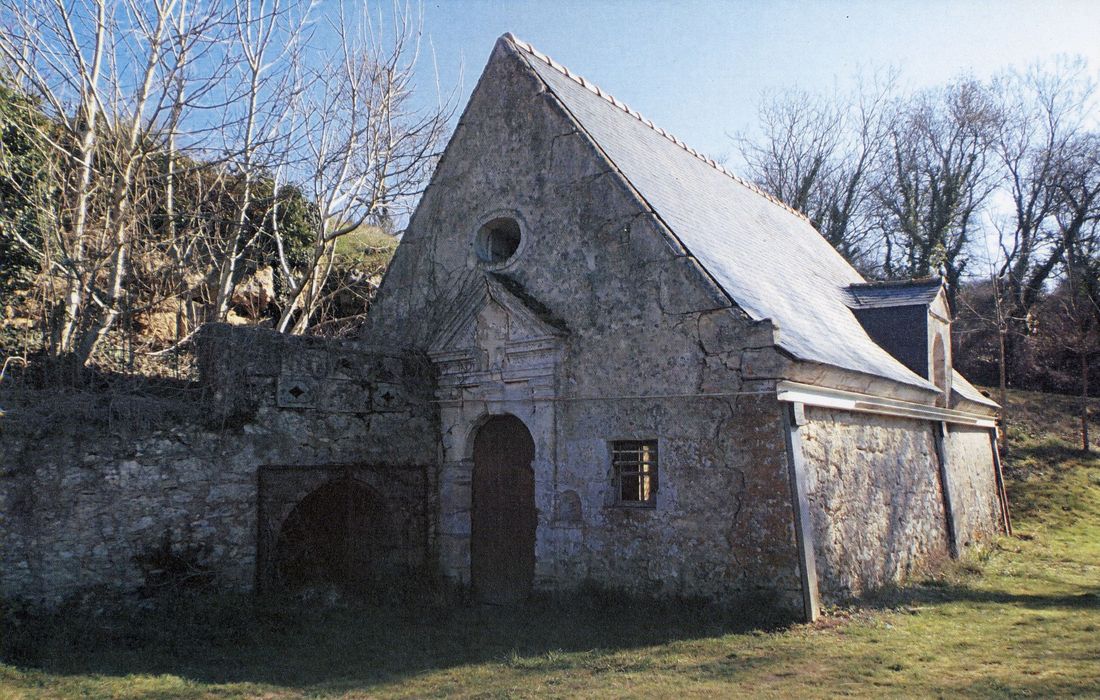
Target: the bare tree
(800, 141)
(175, 130)
(266, 37)
(979, 333)
(1045, 108)
(935, 179)
(1079, 226)
(1070, 325)
(818, 155)
(1078, 209)
(356, 144)
(104, 74)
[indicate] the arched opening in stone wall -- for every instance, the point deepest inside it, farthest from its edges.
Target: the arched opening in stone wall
(503, 518)
(334, 538)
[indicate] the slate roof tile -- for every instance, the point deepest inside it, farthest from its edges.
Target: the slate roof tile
(869, 295)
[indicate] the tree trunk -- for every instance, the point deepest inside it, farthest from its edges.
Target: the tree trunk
(1084, 402)
(1003, 433)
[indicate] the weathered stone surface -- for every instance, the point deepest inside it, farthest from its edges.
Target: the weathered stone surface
(80, 499)
(600, 327)
(726, 330)
(402, 527)
(973, 484)
(875, 499)
(764, 363)
(645, 356)
(686, 287)
(722, 524)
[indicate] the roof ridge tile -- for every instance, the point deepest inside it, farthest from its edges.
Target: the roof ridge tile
(622, 106)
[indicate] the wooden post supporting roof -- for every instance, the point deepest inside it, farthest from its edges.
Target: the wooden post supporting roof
(794, 417)
(939, 432)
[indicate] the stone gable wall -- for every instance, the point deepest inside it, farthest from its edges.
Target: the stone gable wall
(642, 315)
(88, 482)
(651, 349)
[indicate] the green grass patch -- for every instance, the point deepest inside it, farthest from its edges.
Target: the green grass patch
(1020, 618)
(367, 247)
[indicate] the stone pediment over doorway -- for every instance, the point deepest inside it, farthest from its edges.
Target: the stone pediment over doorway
(500, 341)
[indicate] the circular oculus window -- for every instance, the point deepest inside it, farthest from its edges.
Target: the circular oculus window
(497, 241)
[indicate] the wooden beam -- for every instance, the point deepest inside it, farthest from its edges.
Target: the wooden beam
(939, 432)
(825, 397)
(793, 417)
(1002, 495)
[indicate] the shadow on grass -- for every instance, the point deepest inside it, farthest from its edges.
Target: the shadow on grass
(936, 592)
(287, 643)
(1051, 452)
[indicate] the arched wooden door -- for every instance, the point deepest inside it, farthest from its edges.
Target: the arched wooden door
(502, 520)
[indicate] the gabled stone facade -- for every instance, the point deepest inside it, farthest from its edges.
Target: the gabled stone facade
(597, 312)
(598, 327)
(583, 368)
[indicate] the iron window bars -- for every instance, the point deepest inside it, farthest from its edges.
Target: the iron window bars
(635, 468)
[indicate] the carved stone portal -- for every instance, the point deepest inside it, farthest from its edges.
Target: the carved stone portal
(499, 355)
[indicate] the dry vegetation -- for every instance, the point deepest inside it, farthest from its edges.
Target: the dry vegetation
(168, 164)
(1020, 618)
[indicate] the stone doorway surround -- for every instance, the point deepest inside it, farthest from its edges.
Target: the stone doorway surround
(499, 355)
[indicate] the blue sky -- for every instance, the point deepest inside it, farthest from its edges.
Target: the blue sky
(698, 68)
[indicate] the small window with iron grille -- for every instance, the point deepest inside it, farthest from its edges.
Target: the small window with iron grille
(634, 464)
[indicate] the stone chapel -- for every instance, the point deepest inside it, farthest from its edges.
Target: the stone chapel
(596, 359)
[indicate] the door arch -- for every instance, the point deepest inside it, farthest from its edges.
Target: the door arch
(503, 517)
(335, 537)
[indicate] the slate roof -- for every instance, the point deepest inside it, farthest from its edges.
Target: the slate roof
(873, 295)
(767, 257)
(968, 391)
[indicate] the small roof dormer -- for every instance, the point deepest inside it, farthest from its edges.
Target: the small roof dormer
(911, 320)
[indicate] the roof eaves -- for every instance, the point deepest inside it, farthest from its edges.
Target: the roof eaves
(912, 282)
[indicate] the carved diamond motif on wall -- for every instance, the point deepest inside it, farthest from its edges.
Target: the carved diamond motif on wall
(388, 397)
(296, 392)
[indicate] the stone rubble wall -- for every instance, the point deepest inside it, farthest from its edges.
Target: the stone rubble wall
(973, 485)
(875, 499)
(394, 547)
(722, 525)
(88, 482)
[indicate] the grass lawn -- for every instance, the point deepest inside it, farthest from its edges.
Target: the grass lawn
(1021, 618)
